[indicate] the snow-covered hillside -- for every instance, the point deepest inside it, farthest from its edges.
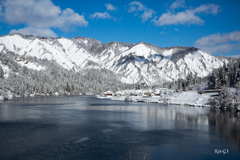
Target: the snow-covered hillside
(142, 62)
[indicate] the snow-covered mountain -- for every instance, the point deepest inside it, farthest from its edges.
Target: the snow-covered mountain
(140, 62)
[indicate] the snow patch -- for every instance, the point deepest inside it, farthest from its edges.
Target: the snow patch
(140, 50)
(1, 48)
(85, 41)
(32, 65)
(168, 53)
(190, 98)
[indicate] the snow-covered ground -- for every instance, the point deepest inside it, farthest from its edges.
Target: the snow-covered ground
(31, 65)
(5, 95)
(190, 98)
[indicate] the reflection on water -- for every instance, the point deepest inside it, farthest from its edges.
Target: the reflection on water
(226, 124)
(142, 116)
(112, 125)
(152, 116)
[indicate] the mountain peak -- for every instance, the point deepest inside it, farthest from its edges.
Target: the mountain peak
(85, 39)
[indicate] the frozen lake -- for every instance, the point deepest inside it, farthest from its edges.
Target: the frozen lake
(84, 127)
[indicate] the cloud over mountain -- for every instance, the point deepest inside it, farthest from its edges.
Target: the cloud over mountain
(219, 43)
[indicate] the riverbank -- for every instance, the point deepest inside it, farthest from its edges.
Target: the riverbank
(189, 98)
(9, 95)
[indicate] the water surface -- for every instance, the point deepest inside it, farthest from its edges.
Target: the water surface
(84, 127)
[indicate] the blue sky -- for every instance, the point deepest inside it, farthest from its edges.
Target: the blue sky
(211, 25)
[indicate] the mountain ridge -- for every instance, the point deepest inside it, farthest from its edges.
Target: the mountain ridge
(87, 38)
(141, 62)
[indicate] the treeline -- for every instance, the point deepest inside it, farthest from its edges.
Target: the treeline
(228, 79)
(228, 75)
(225, 78)
(22, 81)
(192, 82)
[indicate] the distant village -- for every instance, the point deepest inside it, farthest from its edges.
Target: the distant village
(143, 93)
(162, 95)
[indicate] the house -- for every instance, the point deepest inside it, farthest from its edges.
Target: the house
(108, 93)
(119, 93)
(147, 94)
(135, 94)
(157, 92)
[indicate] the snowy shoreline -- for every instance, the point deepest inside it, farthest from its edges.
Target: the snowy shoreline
(9, 96)
(189, 98)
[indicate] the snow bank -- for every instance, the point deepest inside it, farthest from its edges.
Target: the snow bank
(6, 95)
(190, 98)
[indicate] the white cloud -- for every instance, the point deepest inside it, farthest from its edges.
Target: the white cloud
(70, 18)
(179, 18)
(178, 4)
(207, 8)
(40, 15)
(235, 56)
(217, 43)
(215, 39)
(99, 15)
(35, 31)
(136, 7)
(110, 7)
(223, 48)
(187, 16)
(147, 15)
(176, 29)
